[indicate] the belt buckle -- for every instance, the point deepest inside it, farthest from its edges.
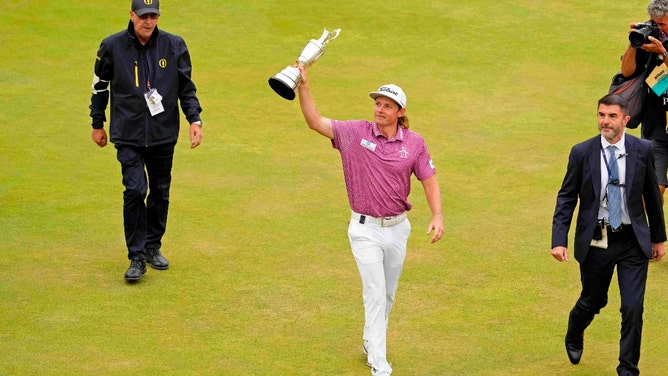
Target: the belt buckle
(389, 221)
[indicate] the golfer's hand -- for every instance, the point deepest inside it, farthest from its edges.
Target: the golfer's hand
(99, 136)
(560, 253)
(436, 226)
(195, 135)
(302, 71)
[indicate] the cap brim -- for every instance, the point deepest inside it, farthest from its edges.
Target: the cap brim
(143, 11)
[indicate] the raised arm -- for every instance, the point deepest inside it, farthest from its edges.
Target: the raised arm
(629, 65)
(313, 118)
(629, 61)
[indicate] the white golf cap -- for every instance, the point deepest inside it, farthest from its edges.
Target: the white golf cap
(391, 91)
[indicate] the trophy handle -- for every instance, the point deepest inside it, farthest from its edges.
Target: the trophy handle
(335, 33)
(327, 36)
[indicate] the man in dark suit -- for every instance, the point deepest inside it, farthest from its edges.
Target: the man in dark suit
(613, 177)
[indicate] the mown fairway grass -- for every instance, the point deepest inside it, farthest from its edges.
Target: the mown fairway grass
(261, 280)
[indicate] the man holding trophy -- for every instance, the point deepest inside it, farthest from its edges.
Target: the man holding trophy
(285, 82)
(378, 158)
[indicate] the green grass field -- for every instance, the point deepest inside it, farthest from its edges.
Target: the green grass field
(262, 281)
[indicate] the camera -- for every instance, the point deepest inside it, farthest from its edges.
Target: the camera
(640, 33)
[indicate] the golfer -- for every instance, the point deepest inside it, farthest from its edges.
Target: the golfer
(379, 158)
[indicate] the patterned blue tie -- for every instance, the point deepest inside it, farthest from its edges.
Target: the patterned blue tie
(614, 191)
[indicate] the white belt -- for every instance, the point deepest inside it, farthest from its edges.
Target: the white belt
(381, 221)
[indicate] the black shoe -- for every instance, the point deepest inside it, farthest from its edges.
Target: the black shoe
(156, 259)
(574, 352)
(136, 270)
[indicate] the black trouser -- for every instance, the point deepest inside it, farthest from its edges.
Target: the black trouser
(145, 223)
(596, 274)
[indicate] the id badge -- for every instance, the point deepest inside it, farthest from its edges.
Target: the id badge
(600, 240)
(154, 102)
(658, 79)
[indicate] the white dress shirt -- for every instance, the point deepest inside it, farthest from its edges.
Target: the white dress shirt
(620, 154)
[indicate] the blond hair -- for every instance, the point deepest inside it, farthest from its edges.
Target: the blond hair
(403, 122)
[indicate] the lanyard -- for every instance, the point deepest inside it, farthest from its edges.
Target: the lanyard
(607, 166)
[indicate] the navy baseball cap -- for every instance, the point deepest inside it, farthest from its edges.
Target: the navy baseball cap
(141, 7)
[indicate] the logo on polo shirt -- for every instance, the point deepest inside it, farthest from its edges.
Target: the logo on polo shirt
(403, 153)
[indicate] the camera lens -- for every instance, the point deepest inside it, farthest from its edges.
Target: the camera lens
(639, 37)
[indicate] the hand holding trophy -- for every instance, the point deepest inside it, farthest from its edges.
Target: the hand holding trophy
(285, 82)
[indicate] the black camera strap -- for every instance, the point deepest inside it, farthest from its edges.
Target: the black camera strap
(647, 65)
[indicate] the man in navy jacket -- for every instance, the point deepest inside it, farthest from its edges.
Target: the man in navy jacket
(595, 167)
(148, 72)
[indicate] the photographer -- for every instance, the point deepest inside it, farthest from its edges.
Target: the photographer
(650, 38)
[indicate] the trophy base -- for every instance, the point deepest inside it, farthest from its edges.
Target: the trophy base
(285, 82)
(281, 88)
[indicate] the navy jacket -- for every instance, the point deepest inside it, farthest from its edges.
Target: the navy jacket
(583, 182)
(130, 69)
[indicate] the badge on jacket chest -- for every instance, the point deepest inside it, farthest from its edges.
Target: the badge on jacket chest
(154, 101)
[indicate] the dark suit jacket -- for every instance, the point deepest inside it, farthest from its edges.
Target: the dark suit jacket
(583, 182)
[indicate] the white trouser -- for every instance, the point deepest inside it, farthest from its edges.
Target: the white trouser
(380, 253)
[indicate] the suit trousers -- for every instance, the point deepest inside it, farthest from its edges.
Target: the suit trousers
(380, 253)
(145, 170)
(596, 273)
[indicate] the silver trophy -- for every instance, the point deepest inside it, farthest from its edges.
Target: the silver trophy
(285, 82)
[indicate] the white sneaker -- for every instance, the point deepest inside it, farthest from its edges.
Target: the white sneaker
(375, 372)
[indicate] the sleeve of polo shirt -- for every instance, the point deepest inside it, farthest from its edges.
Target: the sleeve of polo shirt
(424, 165)
(343, 135)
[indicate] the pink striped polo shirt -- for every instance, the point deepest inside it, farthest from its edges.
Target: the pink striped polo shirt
(378, 171)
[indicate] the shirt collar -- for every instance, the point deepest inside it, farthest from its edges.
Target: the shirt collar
(399, 136)
(620, 145)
